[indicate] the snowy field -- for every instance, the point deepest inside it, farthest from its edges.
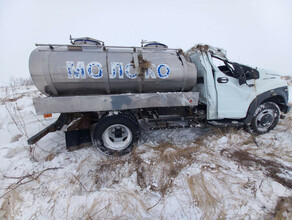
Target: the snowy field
(196, 173)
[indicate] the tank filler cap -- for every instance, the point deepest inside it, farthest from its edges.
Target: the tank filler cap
(153, 44)
(86, 41)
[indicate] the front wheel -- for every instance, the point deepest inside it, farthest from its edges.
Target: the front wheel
(116, 134)
(265, 118)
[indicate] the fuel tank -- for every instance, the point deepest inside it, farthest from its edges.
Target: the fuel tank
(87, 66)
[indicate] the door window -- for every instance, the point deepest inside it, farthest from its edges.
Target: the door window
(234, 69)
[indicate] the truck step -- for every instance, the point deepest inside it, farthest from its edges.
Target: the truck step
(226, 123)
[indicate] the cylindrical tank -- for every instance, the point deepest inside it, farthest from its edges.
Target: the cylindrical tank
(86, 67)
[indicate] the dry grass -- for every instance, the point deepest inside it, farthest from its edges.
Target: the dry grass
(13, 110)
(182, 53)
(200, 47)
(288, 79)
(159, 170)
(20, 81)
(283, 210)
(143, 66)
(7, 209)
(163, 167)
(200, 188)
(270, 168)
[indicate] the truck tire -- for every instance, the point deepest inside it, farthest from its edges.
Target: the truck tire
(265, 118)
(116, 134)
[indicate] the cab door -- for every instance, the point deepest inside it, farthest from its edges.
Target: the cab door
(233, 99)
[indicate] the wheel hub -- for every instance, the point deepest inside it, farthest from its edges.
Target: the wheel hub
(118, 133)
(265, 119)
(117, 137)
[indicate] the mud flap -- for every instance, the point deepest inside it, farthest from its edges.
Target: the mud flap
(77, 139)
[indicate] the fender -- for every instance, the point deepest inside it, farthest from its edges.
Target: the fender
(278, 95)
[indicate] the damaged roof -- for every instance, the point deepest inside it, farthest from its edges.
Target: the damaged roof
(216, 51)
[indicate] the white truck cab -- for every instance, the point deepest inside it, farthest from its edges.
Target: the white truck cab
(233, 92)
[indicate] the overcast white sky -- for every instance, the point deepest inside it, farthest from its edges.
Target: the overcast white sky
(255, 32)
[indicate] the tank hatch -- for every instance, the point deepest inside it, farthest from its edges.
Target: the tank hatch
(153, 44)
(86, 41)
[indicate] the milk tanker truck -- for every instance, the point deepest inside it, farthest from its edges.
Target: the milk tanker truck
(103, 93)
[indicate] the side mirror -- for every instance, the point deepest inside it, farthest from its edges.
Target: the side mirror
(239, 73)
(249, 75)
(242, 80)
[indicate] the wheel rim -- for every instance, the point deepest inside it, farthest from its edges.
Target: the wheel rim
(265, 119)
(117, 137)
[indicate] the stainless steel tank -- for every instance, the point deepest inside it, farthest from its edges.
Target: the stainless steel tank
(89, 67)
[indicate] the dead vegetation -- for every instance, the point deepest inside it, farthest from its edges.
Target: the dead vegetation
(7, 207)
(288, 79)
(270, 168)
(143, 65)
(185, 55)
(157, 173)
(200, 47)
(22, 180)
(11, 96)
(199, 188)
(169, 161)
(283, 210)
(20, 81)
(14, 111)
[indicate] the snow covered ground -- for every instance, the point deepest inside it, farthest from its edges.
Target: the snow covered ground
(196, 173)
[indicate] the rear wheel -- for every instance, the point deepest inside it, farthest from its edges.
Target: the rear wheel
(266, 117)
(116, 134)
